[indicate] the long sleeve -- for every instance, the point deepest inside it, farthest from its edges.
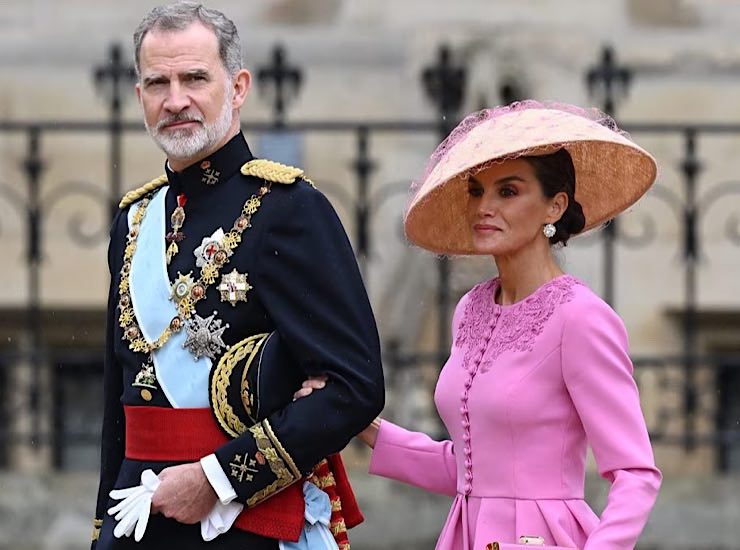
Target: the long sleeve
(113, 433)
(414, 458)
(598, 375)
(308, 280)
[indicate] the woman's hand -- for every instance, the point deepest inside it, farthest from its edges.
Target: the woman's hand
(313, 383)
(370, 434)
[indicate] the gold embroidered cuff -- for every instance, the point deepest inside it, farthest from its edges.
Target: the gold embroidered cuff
(280, 462)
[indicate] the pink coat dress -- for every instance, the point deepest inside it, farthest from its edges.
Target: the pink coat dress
(526, 388)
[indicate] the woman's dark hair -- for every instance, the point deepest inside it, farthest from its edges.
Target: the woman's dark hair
(556, 173)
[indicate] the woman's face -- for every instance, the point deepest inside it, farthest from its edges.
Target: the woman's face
(507, 208)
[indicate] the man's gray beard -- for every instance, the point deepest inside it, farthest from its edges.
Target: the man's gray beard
(187, 144)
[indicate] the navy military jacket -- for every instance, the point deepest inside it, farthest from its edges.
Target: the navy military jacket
(306, 287)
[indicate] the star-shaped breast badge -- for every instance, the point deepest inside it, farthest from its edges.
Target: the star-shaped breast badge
(204, 336)
(234, 287)
(208, 248)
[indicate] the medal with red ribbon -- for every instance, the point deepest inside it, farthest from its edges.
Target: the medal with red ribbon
(177, 220)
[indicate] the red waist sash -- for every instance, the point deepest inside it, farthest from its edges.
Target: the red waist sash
(185, 435)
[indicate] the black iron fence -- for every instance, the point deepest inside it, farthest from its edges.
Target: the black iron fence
(697, 394)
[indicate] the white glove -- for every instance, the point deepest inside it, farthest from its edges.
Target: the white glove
(132, 513)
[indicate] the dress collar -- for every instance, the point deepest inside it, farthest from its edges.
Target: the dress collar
(198, 178)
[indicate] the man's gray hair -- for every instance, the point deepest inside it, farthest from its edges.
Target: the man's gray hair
(179, 16)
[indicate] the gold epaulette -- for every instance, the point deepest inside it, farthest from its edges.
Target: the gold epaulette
(136, 194)
(269, 170)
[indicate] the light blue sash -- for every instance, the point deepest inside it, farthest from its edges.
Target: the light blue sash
(182, 378)
(315, 534)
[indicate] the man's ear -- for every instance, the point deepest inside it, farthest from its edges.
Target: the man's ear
(241, 86)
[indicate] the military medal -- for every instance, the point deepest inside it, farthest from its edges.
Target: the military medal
(234, 287)
(146, 379)
(210, 248)
(177, 220)
(204, 336)
(182, 286)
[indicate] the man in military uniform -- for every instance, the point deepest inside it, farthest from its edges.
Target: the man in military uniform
(232, 281)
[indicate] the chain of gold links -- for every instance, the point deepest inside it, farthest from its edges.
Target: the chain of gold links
(208, 275)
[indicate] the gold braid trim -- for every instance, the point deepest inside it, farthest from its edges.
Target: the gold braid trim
(336, 504)
(284, 476)
(225, 415)
(344, 546)
(322, 482)
(275, 172)
(136, 194)
(338, 527)
(97, 524)
(289, 459)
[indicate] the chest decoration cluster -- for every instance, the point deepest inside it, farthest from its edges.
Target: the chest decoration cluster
(204, 335)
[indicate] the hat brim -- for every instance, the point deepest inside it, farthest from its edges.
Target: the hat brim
(612, 173)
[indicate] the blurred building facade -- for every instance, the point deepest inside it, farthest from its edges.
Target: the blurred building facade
(359, 93)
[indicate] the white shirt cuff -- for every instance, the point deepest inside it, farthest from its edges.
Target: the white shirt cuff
(217, 478)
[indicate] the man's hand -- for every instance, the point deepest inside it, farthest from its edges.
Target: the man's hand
(184, 493)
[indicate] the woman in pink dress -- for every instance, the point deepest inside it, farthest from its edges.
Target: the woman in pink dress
(539, 365)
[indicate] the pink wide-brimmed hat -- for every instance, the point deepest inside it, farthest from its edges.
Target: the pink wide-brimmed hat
(612, 172)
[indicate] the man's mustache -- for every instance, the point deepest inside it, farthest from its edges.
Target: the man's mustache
(178, 118)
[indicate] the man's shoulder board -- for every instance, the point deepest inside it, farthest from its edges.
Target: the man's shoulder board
(133, 196)
(274, 172)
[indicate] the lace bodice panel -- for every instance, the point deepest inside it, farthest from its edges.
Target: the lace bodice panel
(511, 328)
